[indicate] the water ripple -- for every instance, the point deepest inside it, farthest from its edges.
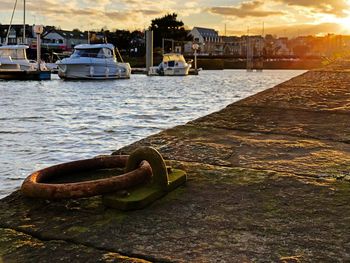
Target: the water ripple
(46, 123)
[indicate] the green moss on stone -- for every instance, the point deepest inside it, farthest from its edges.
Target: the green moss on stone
(78, 229)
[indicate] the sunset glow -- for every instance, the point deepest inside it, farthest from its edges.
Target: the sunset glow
(281, 17)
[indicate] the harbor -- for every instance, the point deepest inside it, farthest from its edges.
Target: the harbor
(267, 180)
(56, 121)
(198, 131)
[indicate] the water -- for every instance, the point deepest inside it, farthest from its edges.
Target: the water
(50, 122)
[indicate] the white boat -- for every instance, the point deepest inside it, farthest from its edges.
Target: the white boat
(14, 57)
(173, 64)
(15, 65)
(93, 61)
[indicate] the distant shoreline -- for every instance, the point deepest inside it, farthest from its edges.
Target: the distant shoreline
(229, 63)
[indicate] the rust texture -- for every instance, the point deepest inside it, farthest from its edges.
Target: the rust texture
(36, 184)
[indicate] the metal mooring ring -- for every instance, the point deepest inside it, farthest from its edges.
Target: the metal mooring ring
(35, 186)
(155, 159)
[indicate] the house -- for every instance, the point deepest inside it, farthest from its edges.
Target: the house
(63, 40)
(208, 39)
(232, 45)
(15, 36)
(282, 48)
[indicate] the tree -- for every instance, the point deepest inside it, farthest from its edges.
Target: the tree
(168, 27)
(119, 38)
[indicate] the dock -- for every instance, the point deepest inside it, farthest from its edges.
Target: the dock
(268, 181)
(143, 71)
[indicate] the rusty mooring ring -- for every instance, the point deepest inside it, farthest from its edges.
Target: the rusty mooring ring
(34, 185)
(156, 161)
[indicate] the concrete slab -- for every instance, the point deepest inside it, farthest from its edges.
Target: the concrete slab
(268, 181)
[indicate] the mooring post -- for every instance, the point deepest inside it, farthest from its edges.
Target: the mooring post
(149, 50)
(38, 30)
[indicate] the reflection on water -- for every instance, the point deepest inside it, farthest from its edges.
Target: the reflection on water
(45, 123)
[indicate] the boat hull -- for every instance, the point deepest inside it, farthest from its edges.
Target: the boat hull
(25, 75)
(175, 71)
(94, 71)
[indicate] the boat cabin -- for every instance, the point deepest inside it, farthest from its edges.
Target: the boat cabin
(15, 52)
(173, 60)
(94, 51)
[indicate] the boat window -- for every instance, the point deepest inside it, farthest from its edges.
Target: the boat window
(108, 53)
(173, 57)
(13, 53)
(171, 63)
(90, 52)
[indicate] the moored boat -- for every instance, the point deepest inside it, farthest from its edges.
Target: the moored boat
(173, 64)
(14, 65)
(93, 61)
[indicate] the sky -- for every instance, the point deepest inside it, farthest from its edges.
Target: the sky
(236, 17)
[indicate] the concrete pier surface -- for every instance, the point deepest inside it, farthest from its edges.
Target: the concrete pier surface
(268, 181)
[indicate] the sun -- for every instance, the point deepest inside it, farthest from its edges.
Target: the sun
(344, 22)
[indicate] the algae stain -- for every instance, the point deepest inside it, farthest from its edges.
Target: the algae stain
(172, 196)
(94, 204)
(113, 215)
(78, 229)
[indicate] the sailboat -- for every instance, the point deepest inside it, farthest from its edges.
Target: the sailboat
(14, 64)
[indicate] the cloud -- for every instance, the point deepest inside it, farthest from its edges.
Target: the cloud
(245, 9)
(293, 30)
(338, 8)
(88, 14)
(135, 14)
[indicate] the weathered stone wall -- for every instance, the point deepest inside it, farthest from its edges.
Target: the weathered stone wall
(268, 180)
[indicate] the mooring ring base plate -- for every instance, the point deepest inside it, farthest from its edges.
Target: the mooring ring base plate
(141, 196)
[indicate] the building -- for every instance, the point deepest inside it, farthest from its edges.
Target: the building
(282, 48)
(232, 46)
(15, 37)
(63, 40)
(209, 41)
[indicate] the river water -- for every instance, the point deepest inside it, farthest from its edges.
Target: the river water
(50, 122)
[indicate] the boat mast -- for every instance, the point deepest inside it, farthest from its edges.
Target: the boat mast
(24, 21)
(9, 29)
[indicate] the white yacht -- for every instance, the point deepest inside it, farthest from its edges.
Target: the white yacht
(173, 64)
(14, 57)
(93, 61)
(15, 65)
